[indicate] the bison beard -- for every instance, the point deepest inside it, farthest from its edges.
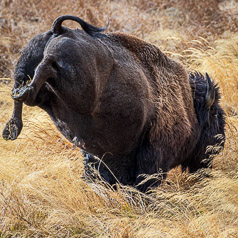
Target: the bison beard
(119, 99)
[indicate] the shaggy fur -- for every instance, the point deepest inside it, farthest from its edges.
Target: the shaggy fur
(212, 123)
(118, 98)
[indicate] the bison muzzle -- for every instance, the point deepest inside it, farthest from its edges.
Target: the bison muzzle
(120, 99)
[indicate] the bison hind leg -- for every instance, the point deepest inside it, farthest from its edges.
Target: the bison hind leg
(12, 129)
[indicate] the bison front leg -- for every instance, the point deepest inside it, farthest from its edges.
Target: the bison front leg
(14, 125)
(111, 169)
(150, 170)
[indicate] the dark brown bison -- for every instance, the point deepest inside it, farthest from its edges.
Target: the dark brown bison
(120, 99)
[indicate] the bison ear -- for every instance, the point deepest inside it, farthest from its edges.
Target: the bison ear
(210, 94)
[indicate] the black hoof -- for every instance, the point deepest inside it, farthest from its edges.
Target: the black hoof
(12, 129)
(20, 94)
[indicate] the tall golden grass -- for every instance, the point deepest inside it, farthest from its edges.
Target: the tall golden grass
(42, 193)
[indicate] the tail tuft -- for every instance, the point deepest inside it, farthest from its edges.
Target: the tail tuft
(91, 30)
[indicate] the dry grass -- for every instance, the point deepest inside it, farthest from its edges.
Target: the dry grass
(42, 193)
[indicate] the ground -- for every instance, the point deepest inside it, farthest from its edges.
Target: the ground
(42, 193)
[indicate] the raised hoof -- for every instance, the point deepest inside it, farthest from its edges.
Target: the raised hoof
(12, 129)
(21, 93)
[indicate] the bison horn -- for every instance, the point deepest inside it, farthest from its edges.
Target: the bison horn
(88, 28)
(210, 94)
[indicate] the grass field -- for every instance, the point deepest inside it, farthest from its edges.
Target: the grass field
(42, 193)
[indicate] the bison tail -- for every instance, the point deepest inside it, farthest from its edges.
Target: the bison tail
(88, 28)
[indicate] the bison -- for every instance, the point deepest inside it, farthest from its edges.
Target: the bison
(120, 99)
